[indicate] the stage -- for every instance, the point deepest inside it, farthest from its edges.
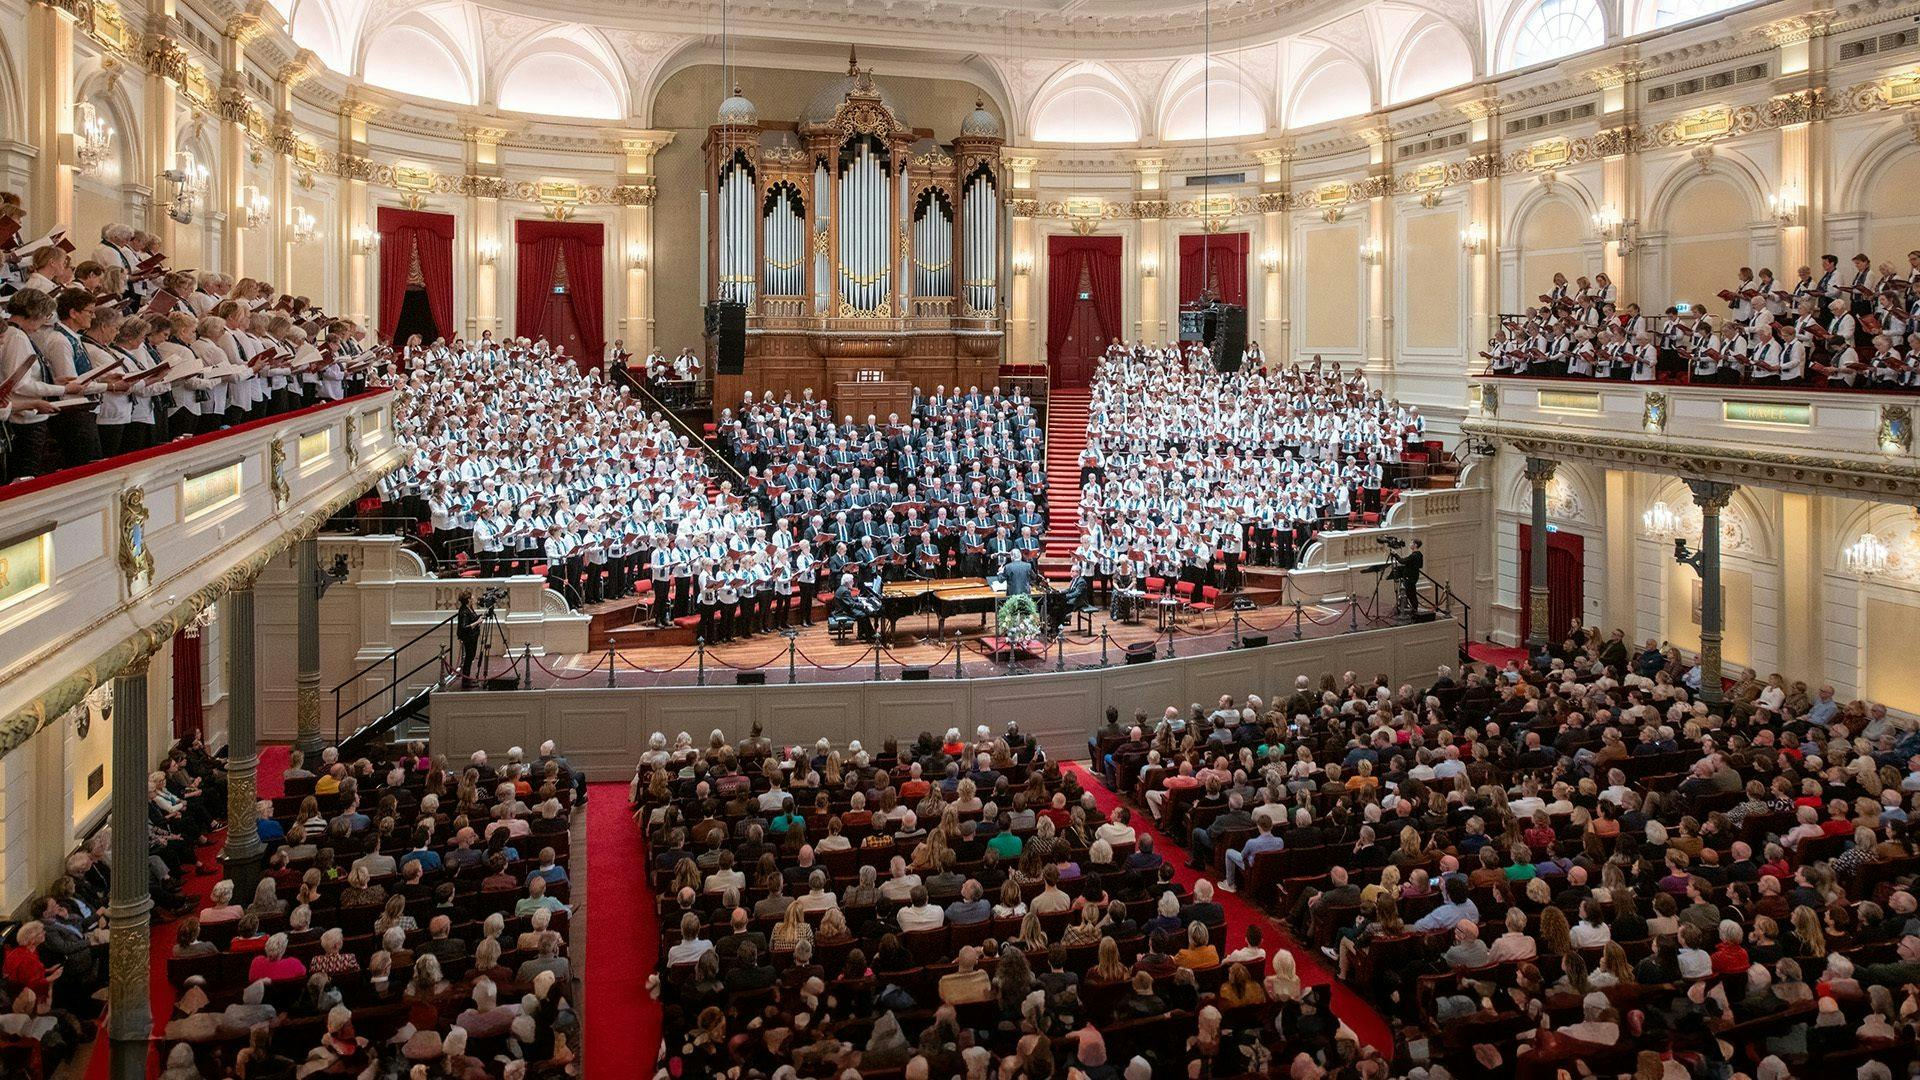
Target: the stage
(959, 647)
(603, 729)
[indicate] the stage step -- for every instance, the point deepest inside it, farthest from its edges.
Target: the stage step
(1067, 411)
(604, 618)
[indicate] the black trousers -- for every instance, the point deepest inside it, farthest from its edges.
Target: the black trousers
(76, 438)
(661, 588)
(809, 592)
(32, 450)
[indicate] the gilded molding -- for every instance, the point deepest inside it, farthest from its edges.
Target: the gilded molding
(632, 194)
(167, 58)
(277, 473)
(136, 561)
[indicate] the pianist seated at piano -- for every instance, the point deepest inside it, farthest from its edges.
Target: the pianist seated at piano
(1843, 329)
(851, 601)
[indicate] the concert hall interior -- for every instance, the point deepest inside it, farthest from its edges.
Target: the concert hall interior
(1005, 539)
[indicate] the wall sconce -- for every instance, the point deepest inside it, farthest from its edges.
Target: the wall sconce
(1473, 238)
(254, 206)
(1370, 251)
(1149, 265)
(487, 251)
(92, 137)
(1786, 205)
(305, 226)
(1022, 263)
(365, 240)
(188, 180)
(636, 257)
(1614, 229)
(1270, 261)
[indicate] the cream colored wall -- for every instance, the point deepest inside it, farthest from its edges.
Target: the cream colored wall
(1706, 242)
(1550, 242)
(1891, 675)
(1432, 256)
(1330, 274)
(309, 260)
(687, 104)
(1892, 206)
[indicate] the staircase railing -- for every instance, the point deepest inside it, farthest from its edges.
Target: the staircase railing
(717, 462)
(347, 718)
(1445, 600)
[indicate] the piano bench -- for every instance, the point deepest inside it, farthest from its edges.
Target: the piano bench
(840, 627)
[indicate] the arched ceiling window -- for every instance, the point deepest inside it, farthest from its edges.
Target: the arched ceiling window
(1553, 29)
(1234, 108)
(1674, 12)
(1085, 114)
(413, 61)
(1334, 90)
(560, 85)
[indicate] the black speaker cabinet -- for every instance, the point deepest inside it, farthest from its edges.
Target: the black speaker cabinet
(1229, 338)
(1252, 641)
(1142, 652)
(503, 682)
(749, 678)
(727, 336)
(915, 674)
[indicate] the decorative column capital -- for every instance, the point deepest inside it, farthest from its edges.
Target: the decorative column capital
(1711, 496)
(1540, 470)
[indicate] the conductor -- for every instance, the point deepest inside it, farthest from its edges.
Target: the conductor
(1018, 574)
(466, 627)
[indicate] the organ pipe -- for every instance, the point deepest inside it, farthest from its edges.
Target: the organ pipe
(738, 206)
(865, 200)
(981, 225)
(786, 250)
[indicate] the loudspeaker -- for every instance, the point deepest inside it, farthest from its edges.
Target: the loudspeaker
(727, 336)
(1229, 337)
(749, 678)
(1142, 652)
(915, 674)
(1425, 616)
(1252, 641)
(502, 682)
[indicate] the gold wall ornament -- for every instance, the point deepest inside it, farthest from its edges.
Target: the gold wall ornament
(632, 194)
(1489, 399)
(352, 437)
(1653, 412)
(882, 310)
(136, 561)
(1896, 429)
(167, 58)
(277, 473)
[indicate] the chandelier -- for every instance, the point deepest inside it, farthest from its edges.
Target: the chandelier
(92, 138)
(1663, 522)
(254, 208)
(1867, 556)
(305, 226)
(189, 181)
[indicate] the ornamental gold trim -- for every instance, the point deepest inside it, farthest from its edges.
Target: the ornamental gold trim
(277, 473)
(136, 561)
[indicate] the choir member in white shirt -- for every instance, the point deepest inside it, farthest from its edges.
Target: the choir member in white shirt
(29, 383)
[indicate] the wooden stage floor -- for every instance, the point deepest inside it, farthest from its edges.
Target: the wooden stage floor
(813, 655)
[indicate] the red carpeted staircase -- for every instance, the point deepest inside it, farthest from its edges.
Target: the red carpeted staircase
(1066, 437)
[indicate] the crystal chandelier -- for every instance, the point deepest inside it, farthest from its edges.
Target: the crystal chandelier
(92, 138)
(1867, 556)
(1662, 522)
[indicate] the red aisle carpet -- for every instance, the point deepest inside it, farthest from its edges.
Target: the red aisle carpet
(1352, 1010)
(271, 784)
(1066, 437)
(623, 943)
(1496, 655)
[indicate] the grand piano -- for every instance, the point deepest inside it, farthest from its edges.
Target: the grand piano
(943, 597)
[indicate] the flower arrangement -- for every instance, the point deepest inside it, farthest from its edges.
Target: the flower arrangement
(1018, 621)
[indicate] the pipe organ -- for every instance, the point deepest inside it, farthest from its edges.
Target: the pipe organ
(786, 241)
(865, 184)
(737, 227)
(933, 245)
(982, 242)
(857, 243)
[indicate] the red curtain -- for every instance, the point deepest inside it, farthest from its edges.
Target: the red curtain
(542, 244)
(402, 232)
(1225, 255)
(186, 684)
(1067, 258)
(1566, 581)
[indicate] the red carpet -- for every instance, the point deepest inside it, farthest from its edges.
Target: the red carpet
(271, 784)
(1352, 1010)
(623, 942)
(1066, 437)
(1497, 655)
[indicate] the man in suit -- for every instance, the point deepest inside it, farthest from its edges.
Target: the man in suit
(1019, 575)
(849, 603)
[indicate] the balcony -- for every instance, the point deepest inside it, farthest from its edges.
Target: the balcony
(95, 560)
(1828, 442)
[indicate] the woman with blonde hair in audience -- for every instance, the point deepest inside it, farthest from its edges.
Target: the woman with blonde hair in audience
(1809, 939)
(1109, 969)
(1615, 970)
(792, 928)
(1410, 852)
(395, 916)
(1241, 988)
(1032, 934)
(1199, 952)
(1284, 984)
(1010, 905)
(1555, 935)
(1089, 929)
(833, 929)
(360, 890)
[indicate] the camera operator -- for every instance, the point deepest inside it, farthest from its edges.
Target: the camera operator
(466, 626)
(1406, 570)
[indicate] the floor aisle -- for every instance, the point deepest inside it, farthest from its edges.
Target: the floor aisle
(1353, 1010)
(623, 940)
